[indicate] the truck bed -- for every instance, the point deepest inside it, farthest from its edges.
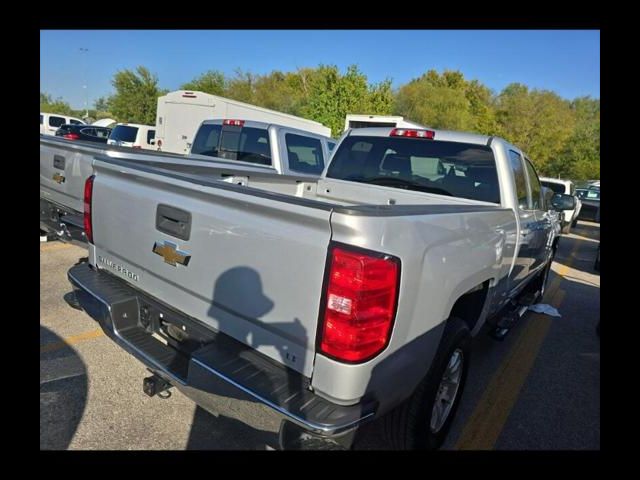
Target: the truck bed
(258, 254)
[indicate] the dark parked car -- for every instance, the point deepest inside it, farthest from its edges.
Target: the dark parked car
(86, 133)
(590, 198)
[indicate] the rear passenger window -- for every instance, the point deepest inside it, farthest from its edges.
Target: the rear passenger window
(151, 134)
(521, 181)
(75, 122)
(56, 121)
(206, 141)
(304, 153)
(534, 183)
(41, 119)
(246, 144)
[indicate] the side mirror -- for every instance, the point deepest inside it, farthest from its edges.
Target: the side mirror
(562, 201)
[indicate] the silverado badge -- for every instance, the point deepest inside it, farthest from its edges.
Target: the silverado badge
(169, 251)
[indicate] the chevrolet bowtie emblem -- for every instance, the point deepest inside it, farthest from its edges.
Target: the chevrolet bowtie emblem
(169, 251)
(58, 178)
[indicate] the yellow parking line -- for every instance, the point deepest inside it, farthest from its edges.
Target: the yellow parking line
(54, 246)
(486, 422)
(488, 418)
(72, 340)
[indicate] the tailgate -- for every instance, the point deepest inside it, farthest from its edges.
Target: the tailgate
(63, 171)
(249, 265)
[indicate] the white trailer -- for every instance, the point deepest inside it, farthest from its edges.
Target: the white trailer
(365, 121)
(180, 113)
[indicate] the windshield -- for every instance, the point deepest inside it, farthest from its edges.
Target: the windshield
(447, 168)
(124, 133)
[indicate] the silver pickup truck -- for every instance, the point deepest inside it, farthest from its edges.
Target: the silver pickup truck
(333, 301)
(225, 149)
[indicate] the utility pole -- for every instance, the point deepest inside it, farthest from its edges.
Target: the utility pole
(86, 91)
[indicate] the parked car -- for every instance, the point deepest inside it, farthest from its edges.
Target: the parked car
(87, 133)
(333, 300)
(50, 122)
(570, 217)
(590, 198)
(180, 113)
(133, 135)
(231, 150)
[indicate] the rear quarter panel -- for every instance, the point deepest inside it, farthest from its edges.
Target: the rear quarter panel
(442, 257)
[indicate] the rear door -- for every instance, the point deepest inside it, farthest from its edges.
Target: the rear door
(525, 254)
(540, 226)
(255, 263)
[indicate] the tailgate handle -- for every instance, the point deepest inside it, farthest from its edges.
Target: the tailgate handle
(58, 162)
(173, 221)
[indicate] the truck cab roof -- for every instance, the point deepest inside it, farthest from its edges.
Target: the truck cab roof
(444, 135)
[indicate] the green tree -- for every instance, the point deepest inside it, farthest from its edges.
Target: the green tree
(580, 158)
(331, 96)
(136, 96)
(279, 91)
(212, 82)
(537, 121)
(447, 101)
(241, 87)
(49, 105)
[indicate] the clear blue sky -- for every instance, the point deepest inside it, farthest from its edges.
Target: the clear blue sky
(565, 61)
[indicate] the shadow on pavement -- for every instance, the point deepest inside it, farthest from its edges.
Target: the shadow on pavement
(211, 432)
(584, 255)
(63, 391)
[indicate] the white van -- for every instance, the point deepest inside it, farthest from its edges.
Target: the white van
(366, 121)
(133, 135)
(180, 113)
(49, 122)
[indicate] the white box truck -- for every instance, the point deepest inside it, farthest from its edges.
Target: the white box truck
(366, 121)
(180, 113)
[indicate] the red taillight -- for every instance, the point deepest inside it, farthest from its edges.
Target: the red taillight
(235, 123)
(406, 132)
(71, 136)
(88, 193)
(361, 297)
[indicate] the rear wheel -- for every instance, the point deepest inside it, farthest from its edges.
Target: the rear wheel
(424, 420)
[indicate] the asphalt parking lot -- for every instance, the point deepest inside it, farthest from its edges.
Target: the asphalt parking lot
(538, 389)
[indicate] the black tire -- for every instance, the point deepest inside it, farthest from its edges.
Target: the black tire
(574, 223)
(407, 427)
